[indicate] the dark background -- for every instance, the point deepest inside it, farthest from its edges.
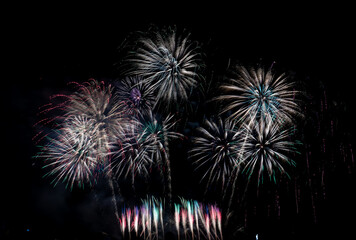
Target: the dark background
(46, 47)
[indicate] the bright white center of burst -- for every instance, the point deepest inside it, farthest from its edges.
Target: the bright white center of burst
(170, 62)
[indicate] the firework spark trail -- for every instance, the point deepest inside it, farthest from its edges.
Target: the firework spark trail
(177, 218)
(169, 63)
(213, 214)
(136, 218)
(161, 216)
(122, 222)
(184, 221)
(128, 216)
(196, 207)
(218, 215)
(156, 215)
(97, 102)
(157, 133)
(191, 217)
(207, 225)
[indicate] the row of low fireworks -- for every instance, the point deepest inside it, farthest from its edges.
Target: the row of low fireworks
(192, 220)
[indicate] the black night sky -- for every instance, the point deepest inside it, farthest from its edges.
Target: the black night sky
(48, 48)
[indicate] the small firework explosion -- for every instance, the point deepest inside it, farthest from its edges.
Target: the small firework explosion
(136, 94)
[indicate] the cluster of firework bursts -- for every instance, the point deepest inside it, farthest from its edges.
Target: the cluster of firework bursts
(123, 130)
(97, 132)
(191, 220)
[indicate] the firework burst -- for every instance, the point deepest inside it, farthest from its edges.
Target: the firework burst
(169, 62)
(136, 93)
(216, 148)
(266, 147)
(255, 94)
(87, 121)
(72, 154)
(97, 102)
(131, 154)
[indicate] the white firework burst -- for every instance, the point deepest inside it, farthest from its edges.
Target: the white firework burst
(215, 149)
(170, 63)
(266, 147)
(97, 103)
(254, 94)
(72, 153)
